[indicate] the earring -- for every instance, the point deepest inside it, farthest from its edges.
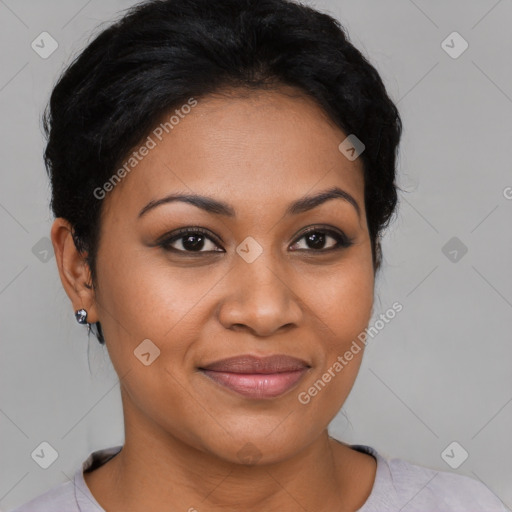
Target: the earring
(81, 316)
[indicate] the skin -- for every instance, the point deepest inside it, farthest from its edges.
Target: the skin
(258, 152)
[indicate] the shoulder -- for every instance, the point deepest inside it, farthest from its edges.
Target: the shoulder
(451, 491)
(401, 485)
(73, 495)
(60, 497)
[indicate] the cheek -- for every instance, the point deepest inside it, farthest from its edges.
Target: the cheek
(144, 296)
(148, 298)
(342, 301)
(144, 299)
(342, 307)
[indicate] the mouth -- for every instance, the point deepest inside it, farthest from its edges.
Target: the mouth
(257, 377)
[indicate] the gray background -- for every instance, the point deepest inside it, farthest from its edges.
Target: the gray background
(439, 372)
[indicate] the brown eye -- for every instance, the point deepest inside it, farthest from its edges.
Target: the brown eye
(316, 239)
(190, 240)
(195, 240)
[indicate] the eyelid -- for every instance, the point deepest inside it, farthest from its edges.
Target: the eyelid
(167, 238)
(343, 241)
(325, 229)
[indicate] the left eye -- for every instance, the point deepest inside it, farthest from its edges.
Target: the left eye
(317, 237)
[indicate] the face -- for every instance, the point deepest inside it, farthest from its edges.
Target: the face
(250, 277)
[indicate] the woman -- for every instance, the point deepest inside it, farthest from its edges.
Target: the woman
(221, 174)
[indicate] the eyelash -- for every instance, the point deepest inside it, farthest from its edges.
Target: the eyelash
(342, 241)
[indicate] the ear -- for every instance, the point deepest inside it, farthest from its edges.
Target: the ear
(73, 269)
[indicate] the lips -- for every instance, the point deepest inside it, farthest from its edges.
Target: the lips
(253, 364)
(257, 377)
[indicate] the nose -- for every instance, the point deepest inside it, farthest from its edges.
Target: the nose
(260, 298)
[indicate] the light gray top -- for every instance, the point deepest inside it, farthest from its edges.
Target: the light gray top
(399, 486)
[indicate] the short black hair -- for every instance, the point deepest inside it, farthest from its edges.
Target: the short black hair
(160, 53)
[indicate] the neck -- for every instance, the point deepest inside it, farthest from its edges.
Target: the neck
(157, 471)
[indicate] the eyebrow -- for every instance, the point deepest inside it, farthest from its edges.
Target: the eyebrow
(216, 207)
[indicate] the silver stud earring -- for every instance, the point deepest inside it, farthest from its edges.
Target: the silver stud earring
(81, 316)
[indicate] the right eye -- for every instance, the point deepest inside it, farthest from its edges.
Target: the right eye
(192, 240)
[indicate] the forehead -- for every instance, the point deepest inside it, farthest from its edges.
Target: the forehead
(247, 148)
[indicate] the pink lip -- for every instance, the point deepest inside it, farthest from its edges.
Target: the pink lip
(257, 377)
(257, 385)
